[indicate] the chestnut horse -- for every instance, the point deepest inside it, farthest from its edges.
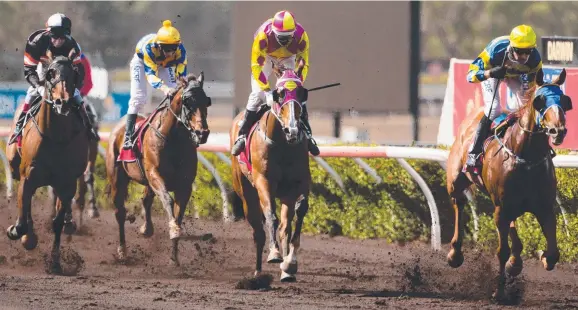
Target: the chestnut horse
(53, 153)
(280, 169)
(168, 161)
(518, 174)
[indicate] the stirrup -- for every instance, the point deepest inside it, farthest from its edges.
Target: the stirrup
(128, 144)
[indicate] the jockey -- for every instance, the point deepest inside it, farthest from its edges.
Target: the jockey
(163, 59)
(57, 39)
(283, 42)
(514, 59)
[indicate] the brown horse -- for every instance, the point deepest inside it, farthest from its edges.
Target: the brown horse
(278, 168)
(168, 161)
(518, 174)
(53, 153)
(85, 183)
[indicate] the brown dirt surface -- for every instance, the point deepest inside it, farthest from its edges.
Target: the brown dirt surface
(217, 261)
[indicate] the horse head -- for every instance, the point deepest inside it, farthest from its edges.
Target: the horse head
(551, 105)
(195, 103)
(289, 97)
(60, 81)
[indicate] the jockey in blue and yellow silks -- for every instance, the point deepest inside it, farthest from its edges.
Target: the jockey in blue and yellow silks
(514, 59)
(162, 59)
(283, 42)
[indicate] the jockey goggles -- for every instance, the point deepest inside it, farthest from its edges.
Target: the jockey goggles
(169, 47)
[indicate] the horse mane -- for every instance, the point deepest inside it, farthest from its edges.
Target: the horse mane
(529, 105)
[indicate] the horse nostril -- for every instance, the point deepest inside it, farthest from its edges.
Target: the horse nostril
(286, 130)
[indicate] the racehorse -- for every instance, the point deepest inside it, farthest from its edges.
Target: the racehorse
(275, 164)
(53, 153)
(518, 174)
(85, 183)
(166, 158)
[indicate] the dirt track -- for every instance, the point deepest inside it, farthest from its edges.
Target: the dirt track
(333, 273)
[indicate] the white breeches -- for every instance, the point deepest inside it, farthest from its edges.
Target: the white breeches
(139, 83)
(488, 89)
(257, 96)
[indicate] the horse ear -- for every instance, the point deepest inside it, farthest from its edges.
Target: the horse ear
(540, 77)
(561, 78)
(72, 55)
(539, 102)
(201, 78)
(566, 103)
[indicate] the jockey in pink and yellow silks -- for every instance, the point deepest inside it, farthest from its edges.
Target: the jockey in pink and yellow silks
(283, 42)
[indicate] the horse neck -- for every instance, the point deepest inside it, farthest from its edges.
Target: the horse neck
(168, 119)
(524, 141)
(273, 128)
(53, 125)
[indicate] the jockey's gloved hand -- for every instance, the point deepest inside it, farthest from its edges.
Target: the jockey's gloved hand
(167, 90)
(269, 98)
(40, 91)
(498, 72)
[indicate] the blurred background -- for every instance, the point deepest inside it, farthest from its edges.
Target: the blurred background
(367, 46)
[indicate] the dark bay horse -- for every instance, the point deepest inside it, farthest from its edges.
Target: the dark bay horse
(518, 174)
(278, 168)
(53, 153)
(85, 183)
(168, 161)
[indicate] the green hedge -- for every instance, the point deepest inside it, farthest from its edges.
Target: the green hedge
(395, 209)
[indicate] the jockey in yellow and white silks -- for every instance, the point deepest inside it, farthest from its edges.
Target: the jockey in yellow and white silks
(514, 59)
(283, 42)
(160, 59)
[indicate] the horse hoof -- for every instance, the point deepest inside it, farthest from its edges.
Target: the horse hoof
(548, 266)
(12, 233)
(131, 218)
(121, 251)
(286, 277)
(290, 268)
(147, 230)
(175, 230)
(93, 213)
(455, 259)
(70, 228)
(29, 241)
(514, 268)
(274, 257)
(56, 268)
(174, 262)
(499, 296)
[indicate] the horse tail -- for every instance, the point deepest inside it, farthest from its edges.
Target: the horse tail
(236, 205)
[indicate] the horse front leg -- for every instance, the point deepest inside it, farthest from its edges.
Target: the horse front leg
(147, 229)
(515, 264)
(550, 257)
(79, 198)
(503, 253)
(157, 183)
(266, 192)
(455, 255)
(182, 196)
(62, 221)
(21, 228)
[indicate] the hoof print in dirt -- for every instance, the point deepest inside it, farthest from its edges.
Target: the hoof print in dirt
(261, 282)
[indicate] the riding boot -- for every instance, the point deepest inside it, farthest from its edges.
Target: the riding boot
(311, 144)
(92, 133)
(129, 131)
(480, 137)
(248, 120)
(17, 135)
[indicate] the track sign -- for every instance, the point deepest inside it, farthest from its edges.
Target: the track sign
(560, 50)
